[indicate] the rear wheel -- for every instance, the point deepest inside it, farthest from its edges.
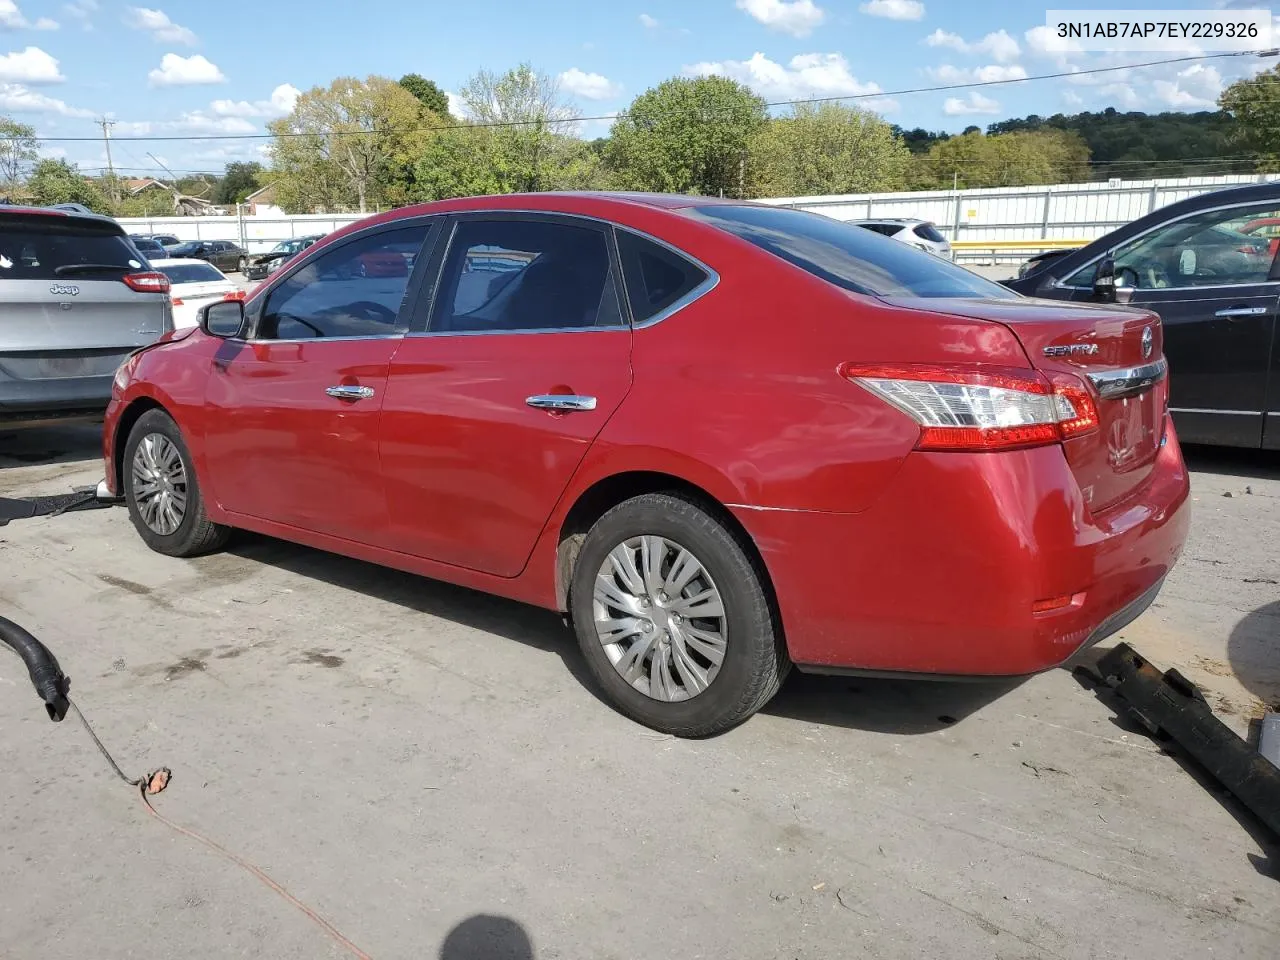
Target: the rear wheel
(244, 264)
(673, 618)
(162, 492)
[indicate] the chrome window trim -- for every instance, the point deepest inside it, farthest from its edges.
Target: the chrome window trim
(1063, 285)
(1113, 384)
(712, 281)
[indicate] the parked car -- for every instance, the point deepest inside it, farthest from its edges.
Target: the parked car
(147, 247)
(1042, 260)
(75, 299)
(194, 284)
(720, 437)
(1208, 266)
(165, 239)
(260, 266)
(221, 253)
(921, 234)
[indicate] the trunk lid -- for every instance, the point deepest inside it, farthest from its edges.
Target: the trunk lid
(64, 309)
(1118, 354)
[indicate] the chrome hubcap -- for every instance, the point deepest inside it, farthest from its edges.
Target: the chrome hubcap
(660, 618)
(159, 484)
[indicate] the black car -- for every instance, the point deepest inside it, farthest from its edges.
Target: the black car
(263, 265)
(223, 254)
(1208, 266)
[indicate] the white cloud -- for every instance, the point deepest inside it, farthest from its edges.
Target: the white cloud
(11, 18)
(1195, 88)
(651, 23)
(994, 73)
(998, 45)
(1047, 43)
(1072, 99)
(197, 121)
(16, 98)
(457, 106)
(81, 11)
(589, 86)
(161, 28)
(32, 65)
(894, 9)
(280, 104)
(796, 17)
(975, 103)
(1121, 95)
(176, 71)
(806, 75)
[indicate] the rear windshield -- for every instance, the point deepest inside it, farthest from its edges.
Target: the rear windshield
(927, 231)
(182, 249)
(848, 256)
(57, 248)
(191, 273)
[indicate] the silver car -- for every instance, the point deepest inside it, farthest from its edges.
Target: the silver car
(76, 298)
(921, 234)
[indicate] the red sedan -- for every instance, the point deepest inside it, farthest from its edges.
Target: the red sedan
(721, 437)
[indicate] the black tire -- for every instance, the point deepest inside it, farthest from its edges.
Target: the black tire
(196, 534)
(755, 660)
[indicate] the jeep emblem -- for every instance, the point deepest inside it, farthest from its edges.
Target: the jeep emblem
(64, 290)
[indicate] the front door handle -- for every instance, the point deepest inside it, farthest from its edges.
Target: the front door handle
(561, 401)
(350, 392)
(1242, 312)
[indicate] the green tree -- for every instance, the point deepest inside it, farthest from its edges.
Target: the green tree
(427, 93)
(825, 149)
(57, 181)
(343, 145)
(238, 181)
(687, 135)
(19, 149)
(1254, 104)
(529, 121)
(1005, 160)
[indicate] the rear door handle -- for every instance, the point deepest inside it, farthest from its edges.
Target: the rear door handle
(1242, 312)
(350, 392)
(561, 401)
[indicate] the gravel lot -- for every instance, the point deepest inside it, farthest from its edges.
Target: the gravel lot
(425, 767)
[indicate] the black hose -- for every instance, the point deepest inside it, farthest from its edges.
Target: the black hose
(51, 684)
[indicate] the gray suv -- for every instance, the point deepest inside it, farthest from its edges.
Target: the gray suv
(76, 298)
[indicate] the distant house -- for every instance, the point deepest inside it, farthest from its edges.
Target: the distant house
(262, 202)
(137, 185)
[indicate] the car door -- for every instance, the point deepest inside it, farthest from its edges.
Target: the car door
(292, 434)
(1217, 291)
(490, 408)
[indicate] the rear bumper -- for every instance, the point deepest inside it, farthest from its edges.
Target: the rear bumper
(55, 399)
(939, 576)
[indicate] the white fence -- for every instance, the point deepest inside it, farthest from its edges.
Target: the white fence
(1036, 217)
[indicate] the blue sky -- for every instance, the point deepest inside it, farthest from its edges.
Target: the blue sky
(227, 67)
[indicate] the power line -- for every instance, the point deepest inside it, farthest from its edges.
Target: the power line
(879, 95)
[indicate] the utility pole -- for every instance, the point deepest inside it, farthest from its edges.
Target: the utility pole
(111, 170)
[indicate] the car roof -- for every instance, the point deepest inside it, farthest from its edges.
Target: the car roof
(179, 262)
(62, 212)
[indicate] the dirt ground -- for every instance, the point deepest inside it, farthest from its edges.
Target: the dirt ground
(427, 769)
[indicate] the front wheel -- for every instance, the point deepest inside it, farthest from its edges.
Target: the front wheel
(162, 492)
(673, 618)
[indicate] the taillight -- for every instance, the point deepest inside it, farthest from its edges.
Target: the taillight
(981, 408)
(177, 301)
(151, 282)
(236, 295)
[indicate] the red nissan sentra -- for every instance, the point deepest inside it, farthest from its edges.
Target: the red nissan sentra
(722, 437)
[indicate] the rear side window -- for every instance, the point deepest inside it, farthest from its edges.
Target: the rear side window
(56, 248)
(506, 275)
(926, 231)
(884, 229)
(849, 257)
(656, 277)
(191, 273)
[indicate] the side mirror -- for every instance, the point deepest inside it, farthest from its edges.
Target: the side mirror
(1104, 281)
(224, 319)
